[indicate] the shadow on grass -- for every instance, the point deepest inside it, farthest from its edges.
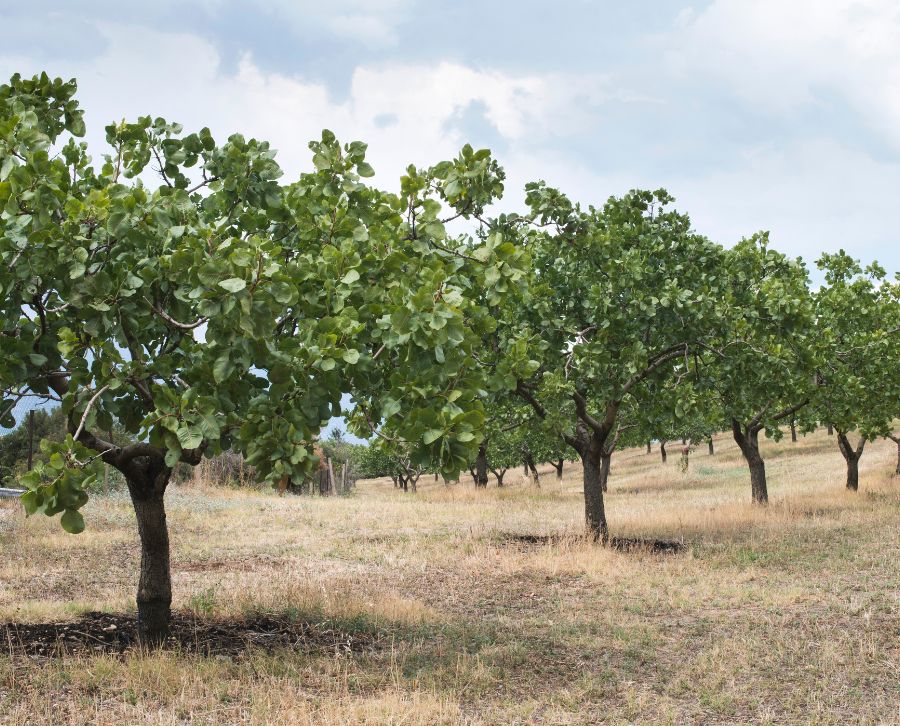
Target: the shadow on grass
(99, 633)
(623, 544)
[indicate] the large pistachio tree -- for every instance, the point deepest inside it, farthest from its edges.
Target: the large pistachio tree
(179, 288)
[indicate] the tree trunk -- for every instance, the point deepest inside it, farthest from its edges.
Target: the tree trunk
(154, 594)
(662, 451)
(594, 512)
(853, 475)
(711, 448)
(830, 429)
(529, 463)
(648, 447)
(481, 467)
(852, 457)
(559, 468)
(605, 461)
(685, 461)
(897, 441)
(499, 476)
(748, 442)
(683, 441)
(793, 432)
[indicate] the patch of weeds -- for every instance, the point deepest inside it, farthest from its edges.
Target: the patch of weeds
(203, 603)
(721, 703)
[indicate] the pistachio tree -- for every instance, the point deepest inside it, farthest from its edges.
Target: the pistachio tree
(618, 295)
(857, 345)
(761, 362)
(178, 288)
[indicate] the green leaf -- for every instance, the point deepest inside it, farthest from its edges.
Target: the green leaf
(432, 435)
(173, 456)
(351, 277)
(351, 356)
(233, 284)
(223, 367)
(189, 437)
(72, 521)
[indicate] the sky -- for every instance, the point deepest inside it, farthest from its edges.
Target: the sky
(779, 115)
(754, 114)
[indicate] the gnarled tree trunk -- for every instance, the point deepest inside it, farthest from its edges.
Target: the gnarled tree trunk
(605, 462)
(499, 474)
(793, 432)
(852, 457)
(154, 594)
(896, 440)
(662, 451)
(594, 485)
(481, 467)
(712, 449)
(747, 439)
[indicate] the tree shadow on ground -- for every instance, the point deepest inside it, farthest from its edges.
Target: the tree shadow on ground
(106, 633)
(623, 544)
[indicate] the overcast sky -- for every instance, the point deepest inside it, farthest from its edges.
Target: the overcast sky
(755, 114)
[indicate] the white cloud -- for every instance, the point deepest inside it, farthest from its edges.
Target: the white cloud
(371, 22)
(179, 76)
(783, 56)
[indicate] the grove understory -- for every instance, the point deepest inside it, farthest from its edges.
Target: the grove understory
(479, 605)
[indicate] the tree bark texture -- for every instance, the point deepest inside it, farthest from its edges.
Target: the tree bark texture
(154, 594)
(747, 439)
(852, 457)
(481, 468)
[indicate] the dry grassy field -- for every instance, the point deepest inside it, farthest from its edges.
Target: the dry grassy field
(455, 605)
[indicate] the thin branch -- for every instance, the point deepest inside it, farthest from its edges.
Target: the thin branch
(175, 323)
(202, 184)
(87, 410)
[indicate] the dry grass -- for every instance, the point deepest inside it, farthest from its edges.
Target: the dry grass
(788, 614)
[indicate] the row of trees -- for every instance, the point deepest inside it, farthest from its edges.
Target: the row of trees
(178, 289)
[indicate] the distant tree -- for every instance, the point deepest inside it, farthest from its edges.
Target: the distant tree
(385, 458)
(857, 346)
(761, 365)
(50, 425)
